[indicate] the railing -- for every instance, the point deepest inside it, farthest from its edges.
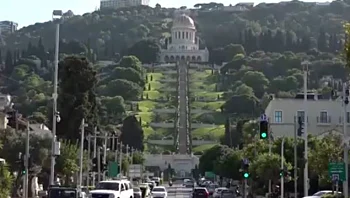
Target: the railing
(323, 119)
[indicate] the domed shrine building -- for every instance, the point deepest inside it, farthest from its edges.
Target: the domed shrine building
(183, 43)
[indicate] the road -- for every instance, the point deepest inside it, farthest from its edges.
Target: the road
(178, 191)
(183, 128)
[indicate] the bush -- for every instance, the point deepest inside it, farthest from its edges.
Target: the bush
(5, 182)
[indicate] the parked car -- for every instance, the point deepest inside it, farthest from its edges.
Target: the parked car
(159, 192)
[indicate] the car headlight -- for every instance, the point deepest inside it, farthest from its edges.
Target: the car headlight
(111, 196)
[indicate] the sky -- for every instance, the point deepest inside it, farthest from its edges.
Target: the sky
(27, 12)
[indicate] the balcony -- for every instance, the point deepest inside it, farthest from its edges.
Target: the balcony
(324, 120)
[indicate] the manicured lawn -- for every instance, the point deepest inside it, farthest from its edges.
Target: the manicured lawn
(203, 148)
(215, 106)
(214, 132)
(156, 76)
(155, 85)
(207, 95)
(152, 94)
(200, 86)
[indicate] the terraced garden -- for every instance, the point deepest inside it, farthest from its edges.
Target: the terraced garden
(158, 95)
(205, 97)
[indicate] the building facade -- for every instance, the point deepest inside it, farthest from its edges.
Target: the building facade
(324, 115)
(183, 43)
(8, 27)
(122, 3)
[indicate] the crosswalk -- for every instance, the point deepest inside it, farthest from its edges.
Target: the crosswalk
(179, 191)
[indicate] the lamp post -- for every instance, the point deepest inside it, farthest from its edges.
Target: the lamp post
(305, 65)
(56, 15)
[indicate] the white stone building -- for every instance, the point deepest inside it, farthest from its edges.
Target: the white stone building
(183, 43)
(122, 3)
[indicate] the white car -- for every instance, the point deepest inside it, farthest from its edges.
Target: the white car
(319, 194)
(217, 192)
(114, 189)
(159, 192)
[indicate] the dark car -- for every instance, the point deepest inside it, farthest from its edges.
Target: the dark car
(137, 192)
(200, 192)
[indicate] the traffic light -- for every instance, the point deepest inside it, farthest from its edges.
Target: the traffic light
(246, 175)
(103, 166)
(245, 168)
(94, 165)
(281, 173)
(300, 126)
(264, 129)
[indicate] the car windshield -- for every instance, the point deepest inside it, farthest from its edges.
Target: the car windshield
(62, 193)
(158, 190)
(219, 189)
(320, 193)
(107, 186)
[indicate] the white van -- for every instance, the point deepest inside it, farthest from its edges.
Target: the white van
(113, 189)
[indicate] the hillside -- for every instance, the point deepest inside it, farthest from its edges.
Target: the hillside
(112, 31)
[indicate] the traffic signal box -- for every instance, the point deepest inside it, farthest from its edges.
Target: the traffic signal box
(264, 129)
(95, 167)
(300, 126)
(284, 173)
(245, 172)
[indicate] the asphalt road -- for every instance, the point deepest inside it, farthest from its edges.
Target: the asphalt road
(178, 191)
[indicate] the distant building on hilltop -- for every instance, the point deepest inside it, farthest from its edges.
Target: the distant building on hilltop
(183, 44)
(8, 27)
(122, 3)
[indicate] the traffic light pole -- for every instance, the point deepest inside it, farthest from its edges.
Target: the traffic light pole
(345, 137)
(105, 154)
(282, 168)
(81, 155)
(26, 164)
(89, 161)
(245, 188)
(94, 155)
(270, 151)
(295, 157)
(98, 165)
(306, 169)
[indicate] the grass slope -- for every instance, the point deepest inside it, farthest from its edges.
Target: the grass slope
(203, 86)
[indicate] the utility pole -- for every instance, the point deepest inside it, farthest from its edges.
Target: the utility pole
(270, 152)
(116, 151)
(81, 155)
(98, 165)
(306, 169)
(345, 137)
(121, 158)
(282, 168)
(295, 157)
(94, 156)
(89, 161)
(105, 154)
(127, 157)
(55, 113)
(26, 164)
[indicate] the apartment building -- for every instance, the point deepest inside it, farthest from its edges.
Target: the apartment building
(122, 3)
(324, 115)
(8, 27)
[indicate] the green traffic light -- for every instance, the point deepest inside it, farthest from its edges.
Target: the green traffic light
(246, 175)
(263, 135)
(24, 172)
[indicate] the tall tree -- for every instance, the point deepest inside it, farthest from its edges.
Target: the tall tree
(77, 99)
(8, 63)
(132, 133)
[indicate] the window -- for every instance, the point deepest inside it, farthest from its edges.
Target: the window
(186, 35)
(301, 114)
(323, 117)
(348, 117)
(278, 116)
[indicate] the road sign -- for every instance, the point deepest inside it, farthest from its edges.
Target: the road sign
(113, 169)
(245, 161)
(335, 177)
(209, 174)
(263, 117)
(337, 170)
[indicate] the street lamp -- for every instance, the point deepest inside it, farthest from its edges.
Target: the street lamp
(305, 65)
(56, 16)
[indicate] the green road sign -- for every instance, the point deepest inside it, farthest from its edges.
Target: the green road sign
(336, 171)
(209, 174)
(113, 169)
